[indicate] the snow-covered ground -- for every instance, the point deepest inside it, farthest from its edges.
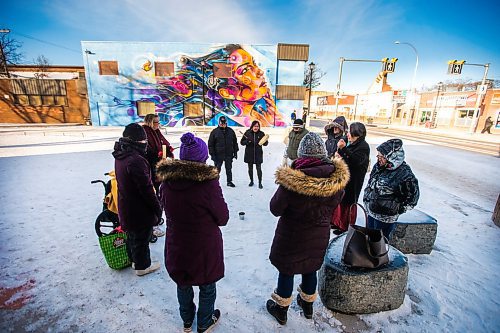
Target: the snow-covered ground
(53, 277)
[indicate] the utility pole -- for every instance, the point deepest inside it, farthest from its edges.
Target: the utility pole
(480, 93)
(3, 61)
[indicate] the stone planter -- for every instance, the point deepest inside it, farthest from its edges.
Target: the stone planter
(357, 291)
(415, 232)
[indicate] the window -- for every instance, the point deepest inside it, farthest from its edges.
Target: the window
(398, 113)
(193, 110)
(108, 67)
(38, 92)
(222, 70)
(164, 68)
(145, 107)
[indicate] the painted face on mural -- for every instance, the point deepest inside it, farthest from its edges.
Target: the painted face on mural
(252, 84)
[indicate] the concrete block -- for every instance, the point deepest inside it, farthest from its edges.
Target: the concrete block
(357, 291)
(415, 232)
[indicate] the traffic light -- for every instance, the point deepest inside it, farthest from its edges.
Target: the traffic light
(389, 65)
(455, 66)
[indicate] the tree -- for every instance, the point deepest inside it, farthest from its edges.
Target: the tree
(42, 64)
(317, 74)
(10, 47)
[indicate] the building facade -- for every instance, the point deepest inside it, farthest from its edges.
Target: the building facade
(56, 94)
(194, 84)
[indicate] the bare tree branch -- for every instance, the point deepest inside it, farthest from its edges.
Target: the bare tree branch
(317, 74)
(11, 48)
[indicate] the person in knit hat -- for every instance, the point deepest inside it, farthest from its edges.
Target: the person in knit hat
(138, 207)
(194, 204)
(294, 137)
(308, 193)
(335, 130)
(392, 188)
(355, 151)
(193, 149)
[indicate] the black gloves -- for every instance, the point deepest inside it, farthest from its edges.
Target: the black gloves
(235, 156)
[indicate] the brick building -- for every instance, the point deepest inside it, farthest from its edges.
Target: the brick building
(56, 94)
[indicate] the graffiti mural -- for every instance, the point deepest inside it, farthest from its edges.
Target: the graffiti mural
(238, 81)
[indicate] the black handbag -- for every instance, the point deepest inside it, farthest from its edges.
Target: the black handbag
(365, 247)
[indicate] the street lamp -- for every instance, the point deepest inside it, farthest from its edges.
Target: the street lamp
(312, 65)
(413, 79)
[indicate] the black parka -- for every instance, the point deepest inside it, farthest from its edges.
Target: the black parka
(357, 157)
(222, 143)
(253, 151)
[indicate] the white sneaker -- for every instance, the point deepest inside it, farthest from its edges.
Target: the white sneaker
(153, 267)
(158, 232)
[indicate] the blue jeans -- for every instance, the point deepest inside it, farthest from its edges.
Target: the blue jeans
(206, 302)
(285, 284)
(387, 228)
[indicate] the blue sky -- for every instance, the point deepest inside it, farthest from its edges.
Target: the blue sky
(439, 30)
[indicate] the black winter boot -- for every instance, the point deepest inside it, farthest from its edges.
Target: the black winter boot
(307, 307)
(278, 307)
(278, 312)
(306, 301)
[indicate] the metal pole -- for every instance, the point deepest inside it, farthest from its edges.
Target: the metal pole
(338, 86)
(356, 107)
(412, 80)
(309, 99)
(475, 118)
(203, 90)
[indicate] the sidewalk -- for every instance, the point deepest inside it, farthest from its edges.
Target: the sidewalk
(449, 133)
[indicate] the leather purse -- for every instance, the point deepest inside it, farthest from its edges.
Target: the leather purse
(365, 247)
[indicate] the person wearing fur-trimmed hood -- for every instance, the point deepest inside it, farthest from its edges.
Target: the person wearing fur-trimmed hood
(392, 188)
(308, 193)
(195, 210)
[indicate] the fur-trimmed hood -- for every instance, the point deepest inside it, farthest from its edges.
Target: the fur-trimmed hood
(185, 170)
(299, 182)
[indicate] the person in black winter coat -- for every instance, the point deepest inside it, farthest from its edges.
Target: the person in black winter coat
(356, 153)
(335, 131)
(138, 207)
(223, 147)
(392, 188)
(308, 193)
(253, 150)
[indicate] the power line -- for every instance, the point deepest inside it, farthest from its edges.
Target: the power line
(45, 42)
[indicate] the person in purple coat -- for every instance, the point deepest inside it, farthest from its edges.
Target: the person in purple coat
(138, 207)
(308, 193)
(195, 210)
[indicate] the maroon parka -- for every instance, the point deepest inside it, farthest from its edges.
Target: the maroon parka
(305, 200)
(195, 209)
(138, 207)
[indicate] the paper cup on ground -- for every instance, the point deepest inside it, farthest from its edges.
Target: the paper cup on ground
(242, 215)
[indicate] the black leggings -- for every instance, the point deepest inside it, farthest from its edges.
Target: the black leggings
(259, 171)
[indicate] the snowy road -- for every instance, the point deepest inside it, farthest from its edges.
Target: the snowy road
(53, 277)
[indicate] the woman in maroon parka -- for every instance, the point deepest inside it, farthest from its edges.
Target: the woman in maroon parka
(195, 209)
(308, 193)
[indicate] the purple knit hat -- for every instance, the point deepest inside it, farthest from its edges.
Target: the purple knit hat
(193, 148)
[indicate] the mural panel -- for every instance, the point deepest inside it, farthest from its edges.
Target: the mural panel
(238, 81)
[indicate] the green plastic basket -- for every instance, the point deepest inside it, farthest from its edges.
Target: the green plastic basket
(115, 250)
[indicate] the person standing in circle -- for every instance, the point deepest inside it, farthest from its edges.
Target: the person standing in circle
(308, 193)
(253, 140)
(195, 209)
(223, 147)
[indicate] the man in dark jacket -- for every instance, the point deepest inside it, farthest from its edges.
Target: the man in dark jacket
(308, 193)
(138, 207)
(195, 207)
(223, 147)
